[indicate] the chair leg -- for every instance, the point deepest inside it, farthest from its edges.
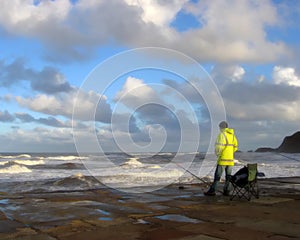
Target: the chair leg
(238, 192)
(254, 189)
(257, 190)
(247, 191)
(234, 192)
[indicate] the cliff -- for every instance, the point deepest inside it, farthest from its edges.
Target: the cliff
(290, 144)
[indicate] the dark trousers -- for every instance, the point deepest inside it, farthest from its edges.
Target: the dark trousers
(217, 177)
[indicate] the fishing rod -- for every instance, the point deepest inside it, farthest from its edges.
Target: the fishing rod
(201, 179)
(291, 158)
(192, 174)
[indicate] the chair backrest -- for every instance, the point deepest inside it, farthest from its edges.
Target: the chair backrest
(252, 171)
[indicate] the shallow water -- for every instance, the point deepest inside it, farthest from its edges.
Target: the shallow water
(178, 218)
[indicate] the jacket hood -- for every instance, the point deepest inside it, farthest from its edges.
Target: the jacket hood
(228, 130)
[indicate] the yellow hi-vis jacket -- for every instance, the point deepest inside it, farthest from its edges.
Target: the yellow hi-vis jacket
(225, 147)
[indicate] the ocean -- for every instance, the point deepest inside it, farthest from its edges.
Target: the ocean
(136, 172)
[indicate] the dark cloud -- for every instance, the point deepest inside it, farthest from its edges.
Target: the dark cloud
(262, 93)
(191, 94)
(268, 133)
(14, 72)
(120, 123)
(157, 114)
(186, 89)
(103, 111)
(154, 114)
(25, 117)
(49, 121)
(53, 122)
(49, 80)
(6, 116)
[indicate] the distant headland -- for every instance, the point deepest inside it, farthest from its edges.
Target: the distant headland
(290, 144)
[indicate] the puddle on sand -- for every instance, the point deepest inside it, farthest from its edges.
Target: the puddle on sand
(6, 205)
(159, 207)
(7, 208)
(4, 201)
(105, 218)
(87, 203)
(178, 218)
(184, 196)
(105, 213)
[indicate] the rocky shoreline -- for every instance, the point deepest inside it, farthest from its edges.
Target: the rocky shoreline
(173, 212)
(290, 144)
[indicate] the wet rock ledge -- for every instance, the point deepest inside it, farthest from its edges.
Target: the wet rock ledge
(174, 212)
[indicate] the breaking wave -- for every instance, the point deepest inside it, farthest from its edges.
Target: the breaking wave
(29, 162)
(77, 179)
(15, 156)
(132, 163)
(11, 167)
(66, 158)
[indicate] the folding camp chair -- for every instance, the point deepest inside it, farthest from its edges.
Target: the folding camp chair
(244, 183)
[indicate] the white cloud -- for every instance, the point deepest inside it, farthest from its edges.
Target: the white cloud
(136, 93)
(285, 75)
(238, 74)
(233, 31)
(89, 106)
(16, 13)
(227, 73)
(260, 101)
(43, 103)
(230, 31)
(160, 13)
(38, 139)
(266, 111)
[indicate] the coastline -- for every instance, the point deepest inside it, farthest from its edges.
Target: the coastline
(174, 212)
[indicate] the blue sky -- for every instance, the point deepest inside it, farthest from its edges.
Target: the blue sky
(50, 49)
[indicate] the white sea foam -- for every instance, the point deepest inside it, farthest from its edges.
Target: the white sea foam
(168, 173)
(165, 154)
(132, 163)
(66, 158)
(237, 161)
(139, 170)
(29, 162)
(15, 156)
(139, 177)
(14, 168)
(153, 166)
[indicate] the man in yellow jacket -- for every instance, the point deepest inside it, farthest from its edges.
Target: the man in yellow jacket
(225, 147)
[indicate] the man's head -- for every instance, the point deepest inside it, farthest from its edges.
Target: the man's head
(223, 124)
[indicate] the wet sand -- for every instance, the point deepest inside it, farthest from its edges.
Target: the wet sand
(170, 213)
